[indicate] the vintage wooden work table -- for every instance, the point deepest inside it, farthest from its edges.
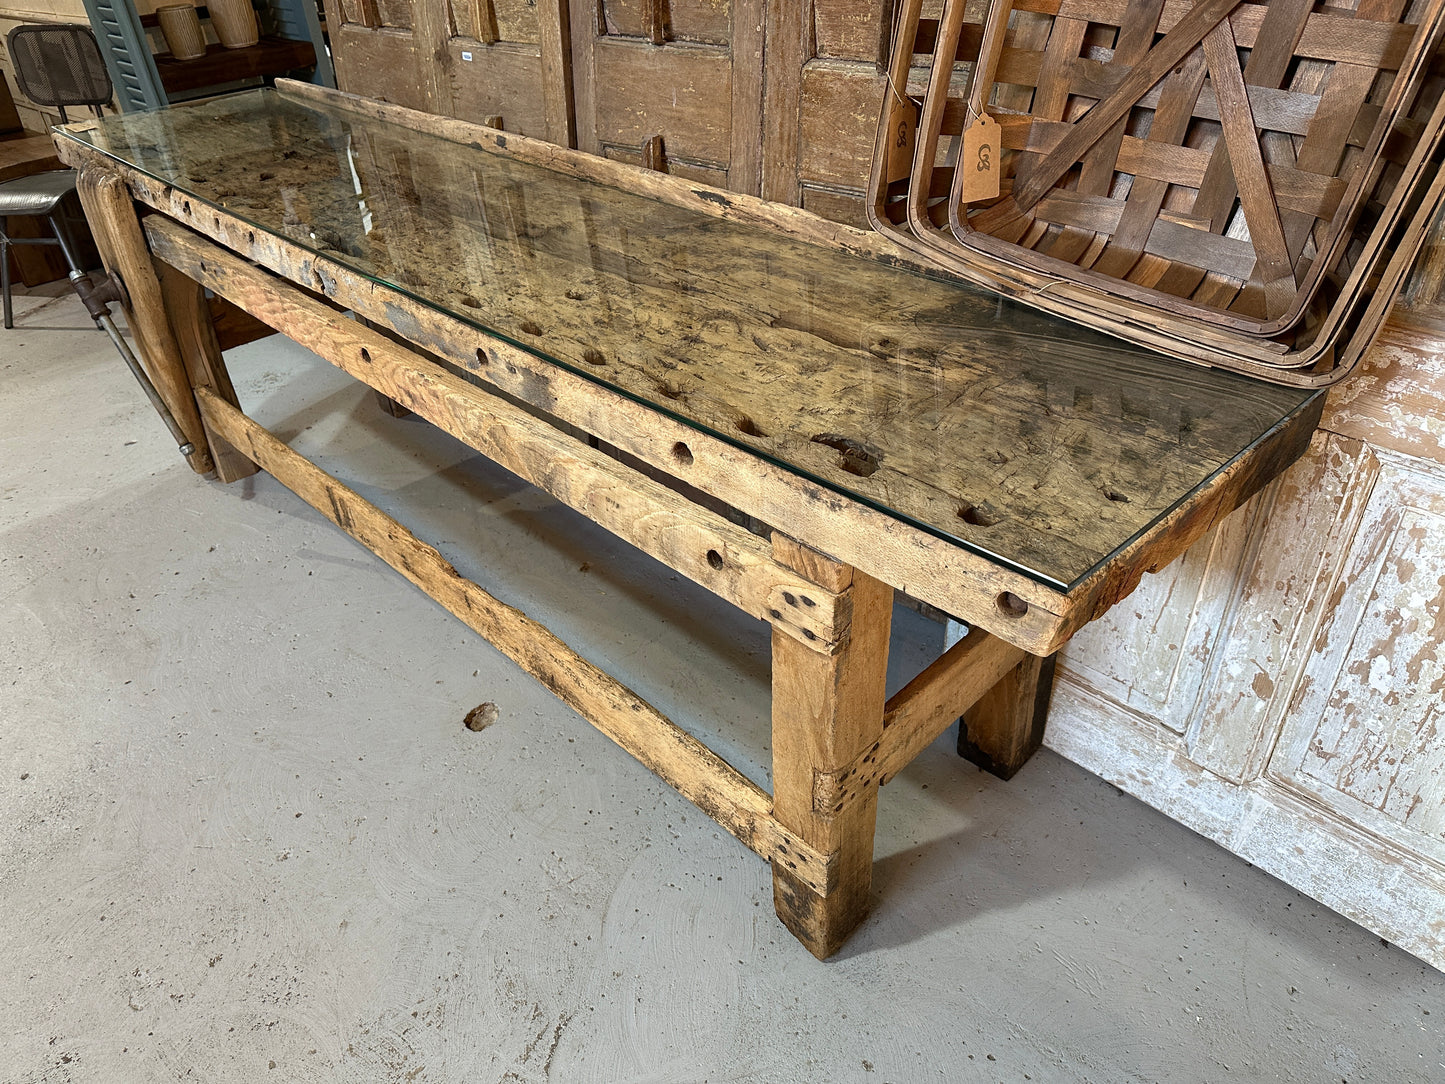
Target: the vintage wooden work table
(661, 356)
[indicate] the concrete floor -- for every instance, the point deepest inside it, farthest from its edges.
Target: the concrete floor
(244, 835)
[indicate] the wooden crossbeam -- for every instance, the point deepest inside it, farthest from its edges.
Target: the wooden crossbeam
(694, 770)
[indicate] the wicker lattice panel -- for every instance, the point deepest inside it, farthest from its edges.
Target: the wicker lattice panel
(1096, 268)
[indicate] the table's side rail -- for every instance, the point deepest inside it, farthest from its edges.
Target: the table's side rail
(731, 562)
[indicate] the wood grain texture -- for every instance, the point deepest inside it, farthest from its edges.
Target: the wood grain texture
(786, 46)
(556, 55)
(682, 92)
(826, 711)
(117, 233)
(724, 558)
(675, 756)
(697, 326)
(722, 364)
(1394, 399)
(490, 84)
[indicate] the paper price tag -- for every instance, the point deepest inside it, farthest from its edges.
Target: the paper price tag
(979, 160)
(901, 137)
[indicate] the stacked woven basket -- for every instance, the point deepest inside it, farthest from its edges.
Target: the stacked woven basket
(1239, 184)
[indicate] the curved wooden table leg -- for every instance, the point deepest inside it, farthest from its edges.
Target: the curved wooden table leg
(827, 711)
(117, 231)
(190, 319)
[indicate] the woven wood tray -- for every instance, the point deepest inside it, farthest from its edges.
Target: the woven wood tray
(926, 109)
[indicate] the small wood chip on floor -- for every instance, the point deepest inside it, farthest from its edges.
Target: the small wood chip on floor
(481, 716)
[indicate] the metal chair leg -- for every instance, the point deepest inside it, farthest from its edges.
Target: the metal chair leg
(62, 238)
(5, 271)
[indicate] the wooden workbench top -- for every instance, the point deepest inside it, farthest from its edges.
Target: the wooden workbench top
(1036, 443)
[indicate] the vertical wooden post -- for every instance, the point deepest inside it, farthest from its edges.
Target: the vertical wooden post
(555, 49)
(1006, 726)
(190, 320)
(122, 245)
(827, 709)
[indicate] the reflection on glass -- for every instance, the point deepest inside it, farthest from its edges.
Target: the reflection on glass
(1017, 435)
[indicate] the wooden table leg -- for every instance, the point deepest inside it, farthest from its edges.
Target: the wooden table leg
(1006, 726)
(827, 710)
(190, 318)
(118, 235)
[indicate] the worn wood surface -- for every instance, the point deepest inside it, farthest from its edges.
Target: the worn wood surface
(723, 557)
(719, 383)
(1363, 733)
(564, 254)
(1277, 691)
(122, 245)
(681, 760)
(826, 710)
(1394, 400)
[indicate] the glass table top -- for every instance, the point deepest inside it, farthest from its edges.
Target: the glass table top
(1037, 443)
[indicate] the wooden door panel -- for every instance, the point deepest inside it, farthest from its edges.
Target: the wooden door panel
(687, 71)
(1301, 540)
(851, 29)
(825, 87)
(1153, 652)
(394, 13)
(495, 20)
(698, 21)
(509, 59)
(838, 118)
(503, 79)
(682, 92)
(1315, 749)
(379, 63)
(1365, 735)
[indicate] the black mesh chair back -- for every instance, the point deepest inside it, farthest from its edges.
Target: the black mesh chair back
(60, 65)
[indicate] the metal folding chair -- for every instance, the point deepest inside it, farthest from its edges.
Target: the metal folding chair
(59, 66)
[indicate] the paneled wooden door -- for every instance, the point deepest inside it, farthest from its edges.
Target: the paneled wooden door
(386, 49)
(497, 61)
(826, 61)
(687, 71)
